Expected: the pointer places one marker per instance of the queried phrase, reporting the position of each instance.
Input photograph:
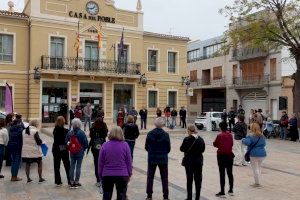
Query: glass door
(91, 56)
(123, 97)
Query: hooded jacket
(158, 147)
(240, 130)
(131, 131)
(15, 138)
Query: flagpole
(77, 51)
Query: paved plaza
(280, 180)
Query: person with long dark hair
(3, 142)
(59, 150)
(98, 134)
(193, 147)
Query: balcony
(68, 65)
(248, 53)
(249, 82)
(208, 83)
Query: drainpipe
(28, 70)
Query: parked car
(3, 116)
(201, 121)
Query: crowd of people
(113, 149)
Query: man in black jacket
(231, 117)
(143, 113)
(240, 132)
(224, 116)
(182, 114)
(173, 117)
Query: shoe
(244, 164)
(59, 185)
(1, 176)
(237, 165)
(256, 185)
(29, 180)
(78, 184)
(220, 194)
(73, 186)
(42, 180)
(148, 198)
(98, 184)
(15, 179)
(230, 192)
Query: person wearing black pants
(121, 183)
(98, 134)
(193, 147)
(231, 119)
(59, 150)
(224, 143)
(143, 113)
(182, 114)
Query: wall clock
(92, 8)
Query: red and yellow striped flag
(77, 42)
(99, 36)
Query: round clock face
(92, 8)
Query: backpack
(74, 145)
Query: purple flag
(8, 100)
(121, 48)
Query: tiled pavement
(281, 176)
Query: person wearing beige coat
(3, 142)
(31, 150)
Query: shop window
(172, 56)
(91, 93)
(6, 48)
(57, 52)
(2, 97)
(152, 99)
(193, 99)
(172, 99)
(273, 69)
(152, 60)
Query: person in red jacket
(224, 143)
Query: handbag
(247, 155)
(44, 148)
(183, 162)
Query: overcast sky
(197, 19)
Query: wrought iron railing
(248, 53)
(216, 82)
(251, 80)
(90, 65)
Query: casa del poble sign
(92, 13)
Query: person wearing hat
(158, 147)
(193, 147)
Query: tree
(267, 24)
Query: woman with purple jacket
(115, 165)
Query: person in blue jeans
(15, 147)
(3, 142)
(76, 159)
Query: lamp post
(143, 80)
(37, 74)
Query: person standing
(293, 128)
(158, 112)
(167, 112)
(71, 116)
(8, 123)
(231, 118)
(256, 143)
(77, 111)
(59, 150)
(87, 111)
(3, 143)
(143, 114)
(182, 114)
(133, 113)
(98, 134)
(158, 147)
(31, 151)
(224, 116)
(120, 117)
(115, 165)
(64, 110)
(224, 143)
(77, 144)
(173, 117)
(260, 118)
(131, 133)
(15, 147)
(241, 111)
(240, 131)
(100, 113)
(193, 147)
(284, 121)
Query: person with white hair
(77, 144)
(158, 147)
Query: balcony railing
(219, 82)
(251, 81)
(248, 53)
(90, 65)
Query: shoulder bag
(183, 162)
(247, 155)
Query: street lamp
(37, 74)
(143, 80)
(185, 80)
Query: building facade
(39, 59)
(248, 77)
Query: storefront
(54, 100)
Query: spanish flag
(77, 43)
(99, 40)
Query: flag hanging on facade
(99, 37)
(77, 43)
(8, 100)
(121, 47)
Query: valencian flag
(8, 99)
(77, 43)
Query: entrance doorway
(123, 97)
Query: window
(172, 100)
(2, 97)
(152, 60)
(193, 75)
(193, 99)
(6, 48)
(210, 51)
(152, 99)
(172, 56)
(91, 55)
(122, 60)
(193, 55)
(273, 69)
(57, 52)
(234, 71)
(217, 73)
